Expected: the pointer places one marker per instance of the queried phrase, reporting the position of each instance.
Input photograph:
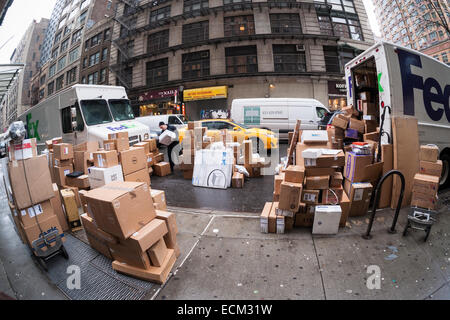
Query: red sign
(159, 94)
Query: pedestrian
(163, 126)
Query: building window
(95, 40)
(107, 34)
(82, 17)
(196, 32)
(76, 36)
(42, 80)
(325, 25)
(235, 1)
(241, 59)
(159, 14)
(289, 58)
(51, 88)
(57, 37)
(103, 75)
(240, 25)
(59, 82)
(66, 30)
(157, 71)
(331, 59)
(158, 41)
(93, 78)
(64, 45)
(192, 5)
(74, 54)
(285, 23)
(55, 53)
(72, 75)
(83, 80)
(85, 62)
(444, 57)
(52, 70)
(61, 63)
(104, 54)
(195, 64)
(94, 59)
(41, 93)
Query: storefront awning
(8, 72)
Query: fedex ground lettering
(432, 90)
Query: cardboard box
(372, 136)
(326, 161)
(94, 236)
(345, 206)
(91, 227)
(355, 166)
(57, 140)
(429, 153)
(431, 168)
(63, 151)
(98, 177)
(237, 180)
(370, 126)
(145, 145)
(154, 274)
(109, 145)
(37, 178)
(22, 151)
(264, 218)
(425, 184)
(281, 224)
(82, 161)
(159, 199)
(248, 152)
(121, 208)
(36, 213)
(162, 169)
(304, 219)
(290, 194)
(370, 109)
(150, 160)
(340, 122)
(105, 159)
(151, 144)
(314, 137)
(386, 189)
(326, 219)
(57, 208)
(88, 146)
(147, 236)
(34, 232)
(359, 194)
(310, 196)
(81, 182)
(133, 160)
(423, 200)
(159, 157)
(312, 171)
(318, 182)
(188, 174)
(118, 135)
(158, 253)
(294, 174)
(171, 237)
(139, 176)
(328, 197)
(122, 144)
(71, 207)
(278, 179)
(273, 218)
(357, 125)
(336, 180)
(126, 254)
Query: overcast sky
(22, 13)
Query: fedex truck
(84, 113)
(410, 83)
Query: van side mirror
(73, 112)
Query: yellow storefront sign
(205, 93)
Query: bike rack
(367, 235)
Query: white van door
(307, 115)
(274, 117)
(69, 135)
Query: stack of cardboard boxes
(194, 139)
(122, 223)
(34, 204)
(426, 182)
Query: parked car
(327, 119)
(278, 114)
(261, 138)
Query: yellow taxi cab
(239, 132)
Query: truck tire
(445, 177)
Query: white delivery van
(83, 113)
(278, 114)
(410, 83)
(152, 122)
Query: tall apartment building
(28, 53)
(51, 31)
(212, 52)
(416, 24)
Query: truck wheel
(445, 177)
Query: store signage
(337, 87)
(206, 93)
(158, 94)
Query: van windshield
(95, 112)
(121, 109)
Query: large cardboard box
(340, 122)
(171, 223)
(81, 182)
(121, 208)
(147, 236)
(105, 159)
(24, 150)
(60, 173)
(273, 218)
(145, 145)
(88, 146)
(90, 226)
(58, 209)
(36, 213)
(159, 199)
(151, 144)
(264, 218)
(429, 153)
(82, 161)
(162, 169)
(305, 218)
(326, 161)
(310, 196)
(46, 226)
(359, 194)
(294, 174)
(425, 184)
(133, 160)
(336, 180)
(355, 166)
(386, 190)
(154, 274)
(139, 176)
(423, 200)
(310, 172)
(317, 183)
(96, 237)
(37, 181)
(290, 195)
(357, 125)
(118, 135)
(158, 253)
(431, 168)
(63, 151)
(98, 177)
(129, 255)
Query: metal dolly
(49, 246)
(420, 219)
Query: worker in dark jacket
(170, 147)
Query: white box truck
(410, 83)
(84, 113)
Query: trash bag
(17, 131)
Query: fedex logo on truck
(432, 90)
(122, 127)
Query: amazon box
(318, 182)
(37, 180)
(429, 153)
(359, 194)
(340, 122)
(139, 176)
(63, 151)
(105, 159)
(431, 168)
(294, 174)
(121, 208)
(132, 160)
(290, 194)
